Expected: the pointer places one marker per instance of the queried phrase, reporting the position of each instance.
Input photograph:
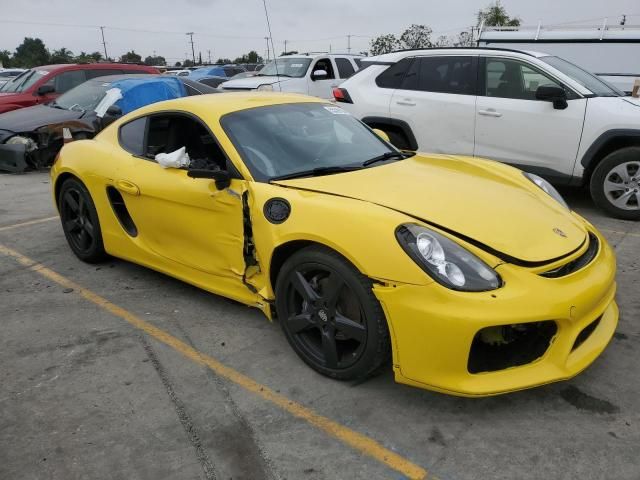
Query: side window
(325, 64)
(507, 78)
(345, 68)
(168, 133)
(454, 75)
(102, 73)
(392, 77)
(131, 136)
(67, 80)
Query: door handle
(490, 112)
(128, 187)
(407, 102)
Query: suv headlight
(445, 261)
(547, 188)
(265, 87)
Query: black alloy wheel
(80, 222)
(330, 316)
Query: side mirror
(44, 90)
(553, 93)
(382, 134)
(221, 177)
(111, 115)
(319, 75)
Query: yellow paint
(25, 224)
(191, 231)
(358, 441)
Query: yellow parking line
(24, 224)
(631, 234)
(356, 440)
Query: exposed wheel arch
(605, 144)
(399, 132)
(63, 177)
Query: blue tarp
(207, 72)
(138, 92)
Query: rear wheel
(615, 183)
(80, 222)
(330, 316)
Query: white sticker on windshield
(297, 65)
(336, 110)
(42, 72)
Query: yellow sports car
(471, 276)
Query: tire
(608, 188)
(80, 222)
(330, 315)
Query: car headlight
(547, 188)
(445, 261)
(265, 87)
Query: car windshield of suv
(303, 138)
(84, 97)
(24, 81)
(286, 67)
(588, 80)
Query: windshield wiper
(388, 156)
(315, 172)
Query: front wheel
(615, 183)
(330, 316)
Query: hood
(31, 118)
(632, 101)
(254, 82)
(476, 200)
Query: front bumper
(13, 158)
(432, 328)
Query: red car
(43, 84)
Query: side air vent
(120, 209)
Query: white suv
(532, 110)
(309, 74)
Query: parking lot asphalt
(116, 371)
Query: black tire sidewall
(376, 350)
(96, 253)
(599, 175)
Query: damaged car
(31, 137)
(469, 276)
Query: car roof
(399, 54)
(91, 66)
(212, 107)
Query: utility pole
(348, 43)
(104, 44)
(267, 39)
(193, 52)
(209, 52)
(285, 46)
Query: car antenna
(275, 60)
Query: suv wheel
(615, 183)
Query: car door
(182, 219)
(513, 127)
(323, 88)
(436, 98)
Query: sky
(229, 28)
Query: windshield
(83, 97)
(288, 67)
(24, 81)
(588, 80)
(281, 140)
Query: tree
(30, 53)
(62, 55)
(155, 60)
(495, 15)
(442, 41)
(223, 61)
(95, 56)
(5, 58)
(384, 44)
(187, 63)
(251, 57)
(177, 64)
(131, 57)
(465, 39)
(416, 36)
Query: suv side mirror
(221, 177)
(44, 90)
(553, 93)
(319, 75)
